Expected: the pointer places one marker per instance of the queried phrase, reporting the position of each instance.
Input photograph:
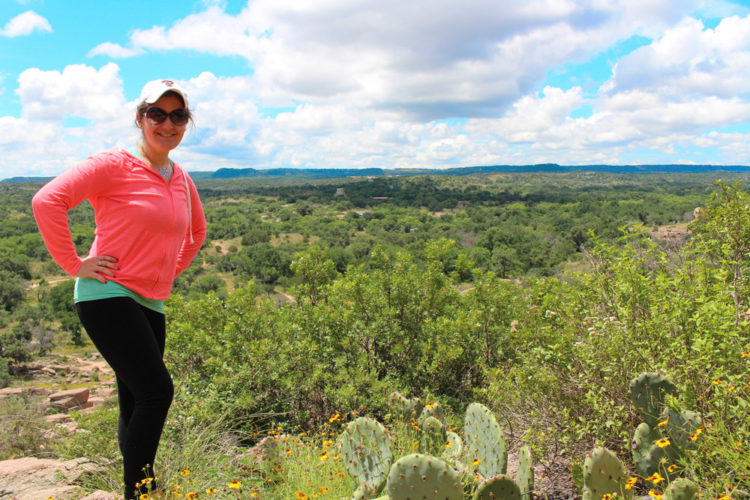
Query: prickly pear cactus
(498, 488)
(486, 450)
(525, 474)
(454, 447)
(433, 437)
(647, 456)
(680, 426)
(403, 406)
(647, 391)
(420, 476)
(366, 450)
(603, 473)
(432, 410)
(364, 492)
(681, 489)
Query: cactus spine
(603, 473)
(487, 452)
(366, 450)
(420, 476)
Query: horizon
(388, 85)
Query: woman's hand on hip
(98, 267)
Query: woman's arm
(52, 203)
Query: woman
(149, 226)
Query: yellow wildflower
(184, 473)
(663, 422)
(323, 456)
(144, 496)
(191, 495)
(724, 497)
(672, 468)
(300, 496)
(630, 483)
(716, 382)
(476, 462)
(288, 451)
(655, 478)
(335, 418)
(655, 494)
(697, 433)
(662, 443)
(607, 496)
(211, 491)
(745, 354)
(322, 490)
(448, 444)
(234, 485)
(327, 443)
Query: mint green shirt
(91, 289)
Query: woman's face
(165, 136)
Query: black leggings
(131, 338)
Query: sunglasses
(179, 116)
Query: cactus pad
(681, 489)
(455, 449)
(366, 450)
(603, 473)
(433, 437)
(486, 450)
(403, 406)
(647, 392)
(525, 474)
(418, 476)
(498, 488)
(647, 456)
(680, 426)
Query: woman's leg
(131, 338)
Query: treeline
(514, 225)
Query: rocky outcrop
(39, 479)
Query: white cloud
(79, 91)
(115, 51)
(691, 60)
(25, 24)
(425, 61)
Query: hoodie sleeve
(196, 232)
(53, 201)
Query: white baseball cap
(153, 90)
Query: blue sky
(357, 84)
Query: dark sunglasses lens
(179, 116)
(156, 115)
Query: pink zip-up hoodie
(142, 220)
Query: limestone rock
(39, 479)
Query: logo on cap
(168, 83)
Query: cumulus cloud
(25, 24)
(690, 60)
(115, 51)
(445, 59)
(78, 91)
(425, 84)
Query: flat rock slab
(39, 479)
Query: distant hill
(332, 173)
